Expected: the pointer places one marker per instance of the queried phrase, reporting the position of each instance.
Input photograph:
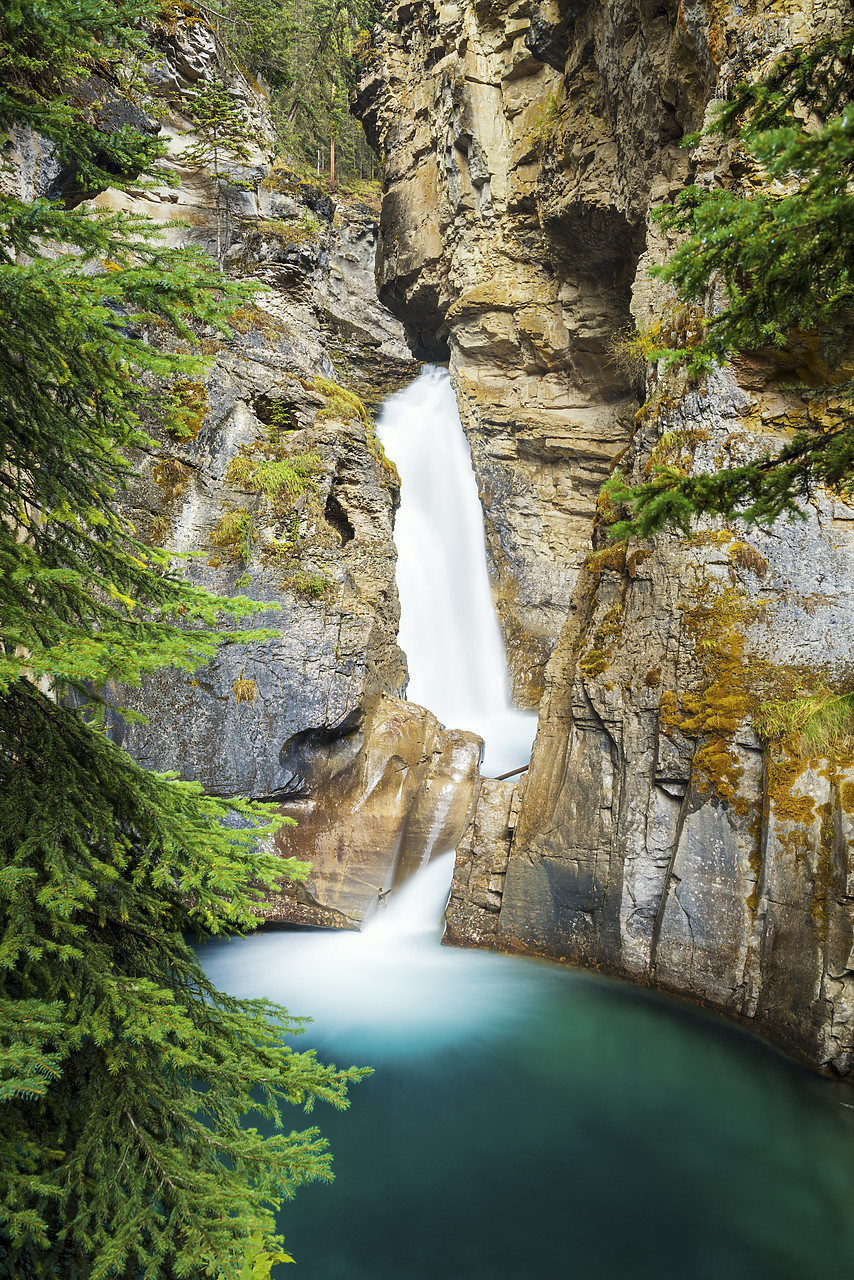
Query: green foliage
(260, 1260)
(233, 535)
(814, 724)
(545, 122)
(222, 135)
(48, 53)
(340, 403)
(125, 1077)
(303, 229)
(782, 252)
(310, 54)
(631, 348)
(311, 585)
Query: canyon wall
(275, 487)
(655, 836)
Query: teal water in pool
(529, 1123)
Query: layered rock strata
(277, 489)
(657, 836)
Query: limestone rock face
(513, 219)
(309, 716)
(656, 836)
(374, 797)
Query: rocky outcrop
(373, 798)
(511, 228)
(657, 836)
(276, 488)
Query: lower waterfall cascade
(448, 627)
(526, 1121)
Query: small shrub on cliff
(340, 402)
(813, 724)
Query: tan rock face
(657, 836)
(374, 799)
(509, 237)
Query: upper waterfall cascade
(448, 627)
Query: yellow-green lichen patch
(636, 558)
(824, 884)
(189, 406)
(592, 663)
(172, 476)
(793, 813)
(725, 698)
(743, 556)
(674, 452)
(244, 689)
(232, 536)
(250, 318)
(610, 627)
(611, 557)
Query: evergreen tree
(783, 253)
(307, 51)
(222, 136)
(125, 1077)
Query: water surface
(526, 1122)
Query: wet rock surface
(657, 836)
(374, 798)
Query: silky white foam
(448, 627)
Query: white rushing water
(387, 991)
(448, 628)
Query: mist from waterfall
(448, 627)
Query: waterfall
(388, 990)
(520, 1110)
(448, 627)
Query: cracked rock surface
(392, 782)
(656, 836)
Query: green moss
(593, 663)
(610, 628)
(189, 406)
(719, 704)
(815, 724)
(276, 478)
(172, 476)
(311, 585)
(302, 230)
(340, 403)
(232, 535)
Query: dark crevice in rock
(314, 755)
(337, 516)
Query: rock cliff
(655, 836)
(277, 488)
